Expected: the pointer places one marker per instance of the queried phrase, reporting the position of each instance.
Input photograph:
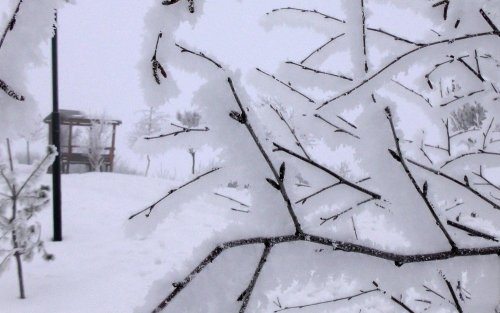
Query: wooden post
(112, 151)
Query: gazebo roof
(77, 118)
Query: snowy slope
(98, 268)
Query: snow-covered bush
(370, 180)
(21, 198)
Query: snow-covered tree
(371, 172)
(21, 198)
(33, 134)
(98, 136)
(190, 120)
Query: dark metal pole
(55, 120)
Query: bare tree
(97, 138)
(422, 200)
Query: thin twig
(456, 181)
(472, 232)
(395, 37)
(401, 304)
(289, 85)
(292, 131)
(354, 227)
(336, 216)
(308, 11)
(363, 23)
(318, 71)
(303, 200)
(12, 22)
(326, 170)
(150, 208)
(348, 298)
(200, 54)
(452, 292)
(414, 92)
(463, 155)
(231, 199)
(175, 133)
(398, 155)
(321, 47)
(467, 66)
(403, 56)
(338, 129)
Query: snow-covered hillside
(98, 268)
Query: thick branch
(242, 118)
(363, 18)
(422, 192)
(150, 208)
(326, 170)
(403, 56)
(399, 259)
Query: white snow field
(98, 268)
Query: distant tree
(150, 122)
(33, 134)
(20, 200)
(190, 119)
(98, 136)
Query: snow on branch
(200, 54)
(182, 130)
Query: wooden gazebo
(78, 154)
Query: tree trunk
(28, 155)
(147, 166)
(193, 156)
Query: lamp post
(55, 124)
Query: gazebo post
(112, 152)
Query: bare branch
(467, 66)
(348, 298)
(245, 296)
(289, 85)
(472, 232)
(231, 199)
(395, 37)
(12, 22)
(242, 118)
(318, 71)
(421, 191)
(200, 54)
(10, 92)
(303, 200)
(456, 181)
(321, 47)
(308, 11)
(398, 259)
(363, 22)
(414, 92)
(338, 129)
(490, 22)
(452, 292)
(403, 56)
(326, 170)
(175, 133)
(150, 208)
(292, 131)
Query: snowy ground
(98, 267)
